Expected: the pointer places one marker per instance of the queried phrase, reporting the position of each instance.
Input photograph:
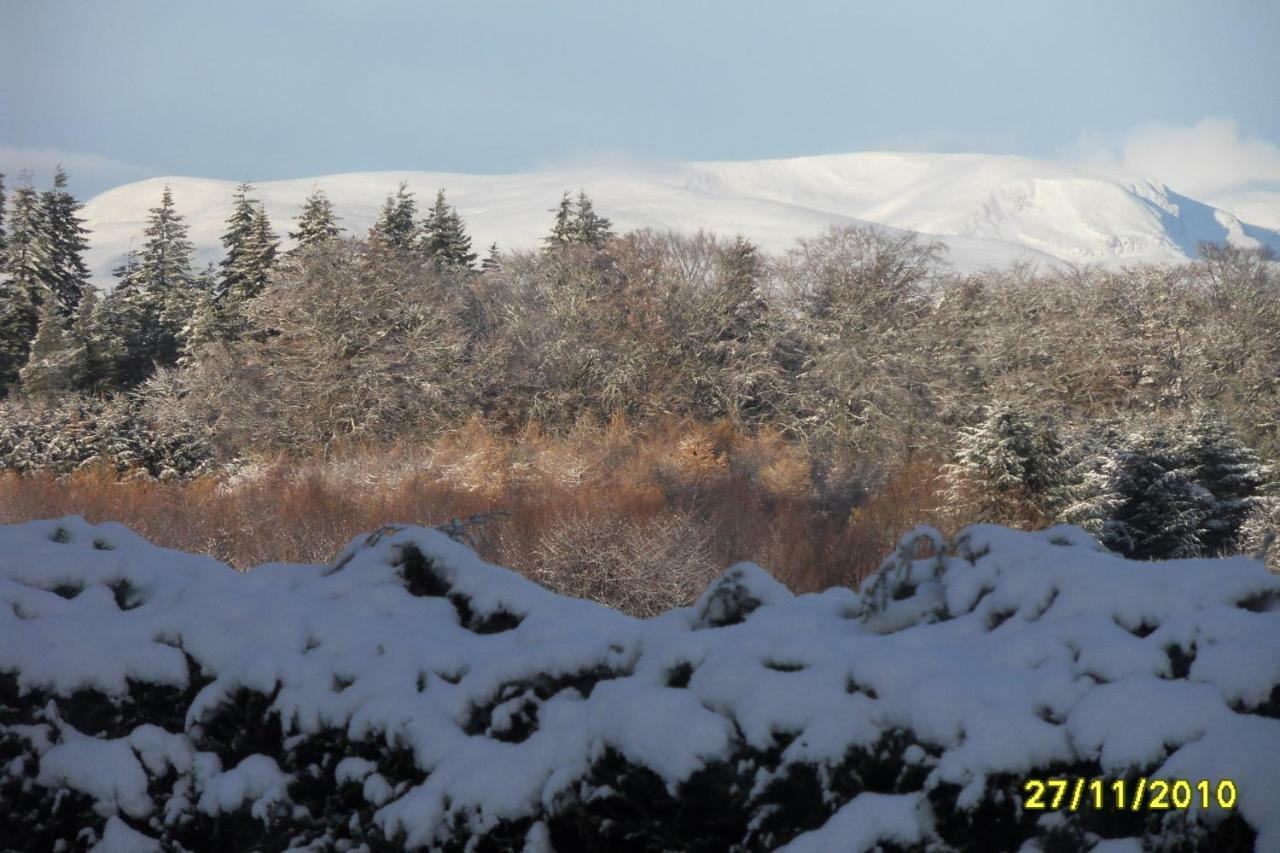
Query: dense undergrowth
(638, 520)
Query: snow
(1001, 653)
(106, 770)
(990, 210)
(865, 822)
(119, 837)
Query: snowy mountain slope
(990, 210)
(411, 693)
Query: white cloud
(1208, 159)
(89, 173)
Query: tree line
(1139, 402)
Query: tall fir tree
(48, 371)
(492, 261)
(444, 236)
(126, 274)
(165, 291)
(396, 225)
(588, 226)
(212, 321)
(266, 246)
(251, 248)
(237, 266)
(96, 349)
(562, 230)
(317, 223)
(17, 326)
(2, 231)
(123, 316)
(65, 239)
(21, 282)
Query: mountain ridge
(990, 210)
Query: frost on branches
(409, 695)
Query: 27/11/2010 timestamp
(1121, 795)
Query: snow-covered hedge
(411, 695)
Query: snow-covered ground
(990, 210)
(411, 692)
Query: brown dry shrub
(642, 568)
(636, 520)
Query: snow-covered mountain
(990, 210)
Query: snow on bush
(411, 695)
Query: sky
(128, 89)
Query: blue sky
(261, 90)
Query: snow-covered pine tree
(1219, 462)
(251, 248)
(396, 226)
(1006, 464)
(121, 321)
(216, 316)
(126, 275)
(444, 237)
(65, 239)
(492, 261)
(17, 327)
(317, 222)
(2, 231)
(213, 320)
(1141, 499)
(563, 232)
(165, 292)
(48, 372)
(95, 349)
(1163, 511)
(264, 246)
(237, 265)
(21, 282)
(588, 226)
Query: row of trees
(1148, 488)
(857, 344)
(59, 335)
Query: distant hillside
(990, 210)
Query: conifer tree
(126, 274)
(1230, 472)
(588, 226)
(48, 371)
(1162, 511)
(2, 231)
(237, 265)
(444, 237)
(492, 261)
(123, 316)
(1141, 499)
(1008, 461)
(317, 222)
(264, 246)
(65, 239)
(562, 231)
(251, 248)
(96, 349)
(212, 321)
(165, 292)
(396, 226)
(17, 327)
(21, 283)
